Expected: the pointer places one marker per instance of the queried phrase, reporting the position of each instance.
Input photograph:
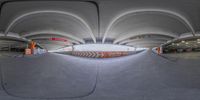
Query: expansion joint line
(3, 85)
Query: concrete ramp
(48, 76)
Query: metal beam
(125, 37)
(50, 36)
(53, 33)
(136, 40)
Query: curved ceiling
(133, 25)
(142, 18)
(51, 23)
(126, 22)
(74, 21)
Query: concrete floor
(143, 76)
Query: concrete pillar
(161, 50)
(72, 48)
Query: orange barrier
(33, 50)
(158, 49)
(32, 45)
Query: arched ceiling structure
(143, 21)
(126, 22)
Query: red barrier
(94, 54)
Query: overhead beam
(147, 42)
(54, 33)
(144, 39)
(145, 45)
(125, 37)
(51, 36)
(51, 42)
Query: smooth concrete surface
(11, 54)
(48, 76)
(144, 76)
(189, 56)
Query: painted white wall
(104, 47)
(98, 47)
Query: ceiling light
(183, 41)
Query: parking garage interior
(99, 50)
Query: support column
(72, 48)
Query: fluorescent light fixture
(183, 41)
